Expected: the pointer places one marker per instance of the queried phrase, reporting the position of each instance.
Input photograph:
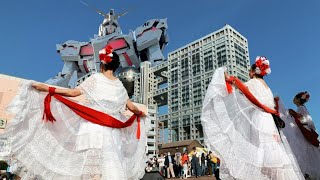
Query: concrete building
(181, 83)
(191, 68)
(145, 87)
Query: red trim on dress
(311, 136)
(243, 88)
(87, 113)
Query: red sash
(87, 113)
(243, 88)
(311, 136)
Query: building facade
(145, 86)
(190, 71)
(181, 83)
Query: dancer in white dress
(244, 135)
(307, 153)
(72, 147)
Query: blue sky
(287, 32)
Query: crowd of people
(8, 169)
(184, 165)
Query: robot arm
(151, 39)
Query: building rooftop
(178, 144)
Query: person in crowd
(213, 161)
(217, 170)
(209, 164)
(195, 162)
(168, 162)
(161, 165)
(302, 136)
(185, 169)
(177, 165)
(203, 164)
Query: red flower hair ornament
(105, 54)
(262, 66)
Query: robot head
(110, 23)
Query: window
(184, 69)
(185, 96)
(208, 63)
(174, 100)
(197, 93)
(196, 64)
(186, 120)
(222, 58)
(174, 76)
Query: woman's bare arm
(134, 108)
(63, 92)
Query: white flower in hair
(258, 71)
(268, 71)
(305, 96)
(102, 51)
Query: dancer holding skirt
(239, 127)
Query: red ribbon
(243, 88)
(87, 113)
(47, 110)
(311, 136)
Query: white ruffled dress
(308, 156)
(245, 137)
(73, 148)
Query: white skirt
(71, 147)
(307, 155)
(244, 137)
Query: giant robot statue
(81, 59)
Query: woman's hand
(134, 109)
(143, 114)
(40, 87)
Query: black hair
(113, 65)
(253, 68)
(299, 97)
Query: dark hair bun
(114, 64)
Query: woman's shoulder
(251, 82)
(94, 75)
(257, 83)
(100, 76)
